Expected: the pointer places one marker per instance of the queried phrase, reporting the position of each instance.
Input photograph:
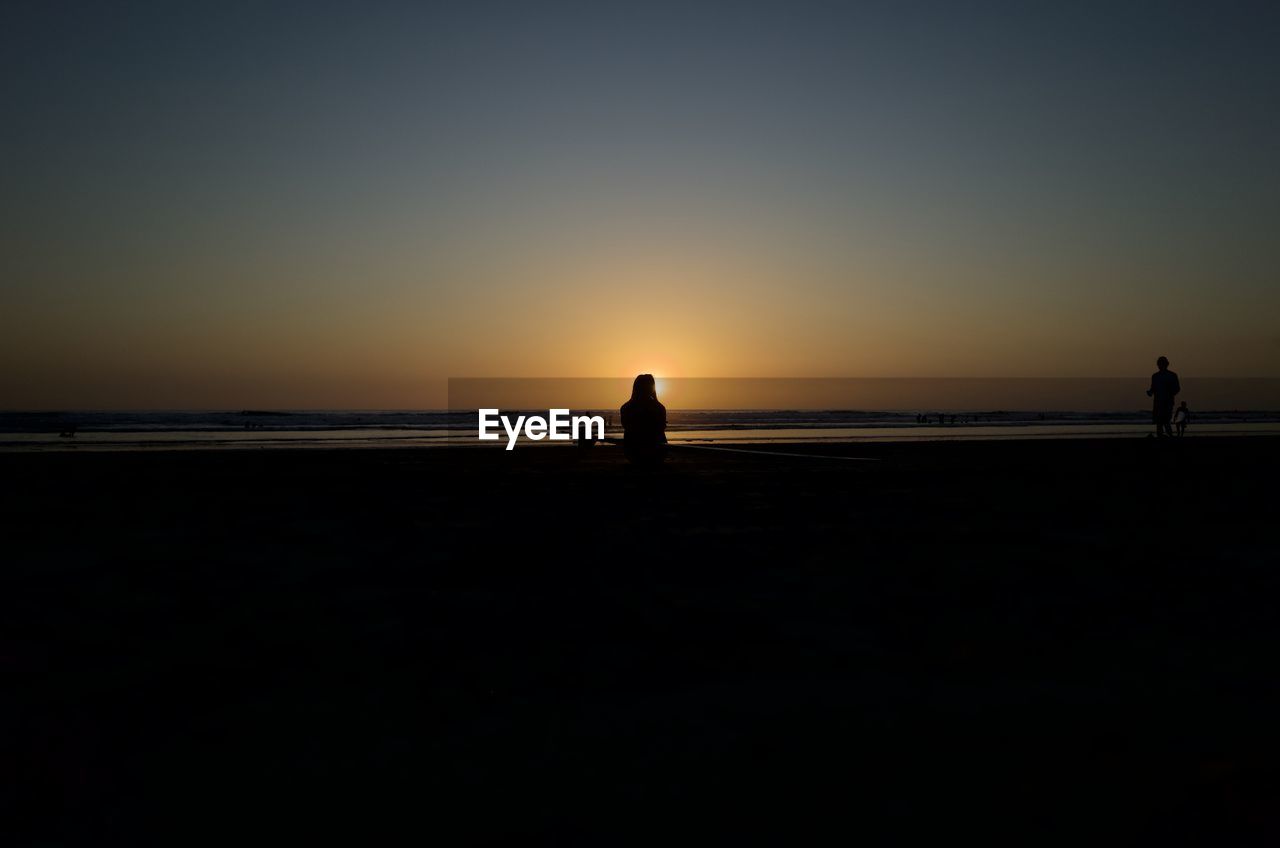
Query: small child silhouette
(1181, 418)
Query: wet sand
(1071, 639)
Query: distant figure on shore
(644, 423)
(1181, 418)
(1164, 387)
(69, 432)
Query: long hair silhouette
(644, 388)
(644, 423)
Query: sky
(327, 205)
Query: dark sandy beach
(1059, 640)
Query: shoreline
(90, 442)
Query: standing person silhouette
(1164, 387)
(644, 423)
(1181, 418)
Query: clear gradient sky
(324, 205)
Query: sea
(256, 429)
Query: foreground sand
(1073, 638)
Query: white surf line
(776, 453)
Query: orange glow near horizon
(677, 307)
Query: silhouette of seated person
(644, 423)
(1164, 388)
